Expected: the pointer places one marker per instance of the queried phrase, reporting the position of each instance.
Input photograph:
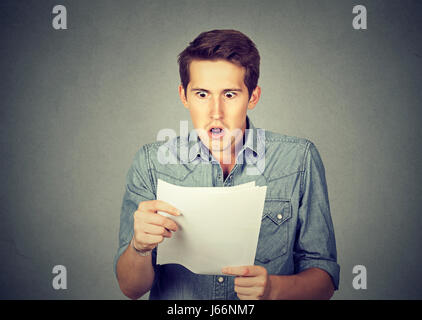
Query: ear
(182, 96)
(256, 95)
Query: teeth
(216, 130)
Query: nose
(217, 109)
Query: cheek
(197, 114)
(236, 110)
(198, 107)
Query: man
(296, 255)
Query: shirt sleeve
(315, 244)
(138, 188)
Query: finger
(152, 239)
(156, 230)
(144, 218)
(244, 271)
(248, 281)
(252, 291)
(245, 297)
(161, 221)
(236, 271)
(159, 205)
(167, 234)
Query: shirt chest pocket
(273, 235)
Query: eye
(230, 94)
(201, 94)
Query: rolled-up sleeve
(315, 244)
(138, 188)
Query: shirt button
(279, 216)
(221, 279)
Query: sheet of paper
(219, 226)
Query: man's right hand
(151, 228)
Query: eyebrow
(225, 90)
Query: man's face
(217, 99)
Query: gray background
(77, 104)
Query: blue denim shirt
(296, 228)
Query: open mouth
(216, 132)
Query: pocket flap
(277, 210)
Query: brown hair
(230, 45)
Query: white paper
(219, 226)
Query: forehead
(215, 74)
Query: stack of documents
(219, 226)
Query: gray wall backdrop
(77, 104)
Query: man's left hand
(251, 282)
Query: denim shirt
(296, 230)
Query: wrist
(272, 294)
(282, 286)
(142, 253)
